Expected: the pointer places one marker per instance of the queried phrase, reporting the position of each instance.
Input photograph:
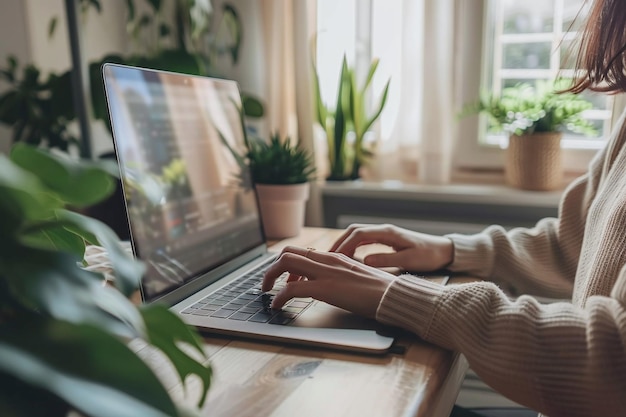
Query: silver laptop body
(194, 218)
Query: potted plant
(347, 123)
(535, 117)
(281, 172)
(63, 334)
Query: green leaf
(370, 73)
(127, 270)
(233, 24)
(86, 367)
(164, 30)
(156, 5)
(252, 107)
(165, 330)
(53, 236)
(321, 112)
(379, 109)
(23, 190)
(52, 26)
(79, 183)
(175, 60)
(95, 4)
(130, 7)
(54, 284)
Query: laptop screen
(190, 205)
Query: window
(532, 41)
(363, 30)
(526, 42)
(498, 43)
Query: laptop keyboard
(242, 299)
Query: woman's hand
(330, 277)
(414, 251)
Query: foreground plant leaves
(63, 333)
(84, 366)
(165, 331)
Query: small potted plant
(534, 118)
(281, 172)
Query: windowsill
(458, 192)
(435, 209)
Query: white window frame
(472, 46)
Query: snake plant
(347, 154)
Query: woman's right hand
(413, 251)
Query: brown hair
(601, 61)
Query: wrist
(446, 252)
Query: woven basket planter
(533, 162)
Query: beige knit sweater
(562, 359)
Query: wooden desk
(264, 379)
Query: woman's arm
(558, 359)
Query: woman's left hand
(330, 277)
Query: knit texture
(562, 359)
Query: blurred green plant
(275, 162)
(40, 112)
(349, 114)
(526, 109)
(63, 334)
(279, 161)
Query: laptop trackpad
(322, 315)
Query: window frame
(472, 43)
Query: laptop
(194, 218)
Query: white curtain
(288, 28)
(419, 145)
(438, 107)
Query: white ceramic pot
(282, 208)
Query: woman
(561, 359)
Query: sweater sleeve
(513, 258)
(554, 358)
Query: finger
(295, 249)
(293, 262)
(382, 260)
(294, 277)
(360, 237)
(350, 230)
(298, 289)
(343, 237)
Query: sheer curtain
(419, 145)
(288, 29)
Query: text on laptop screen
(189, 200)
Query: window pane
(534, 55)
(335, 36)
(572, 22)
(568, 49)
(529, 16)
(512, 82)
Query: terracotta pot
(533, 162)
(282, 208)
